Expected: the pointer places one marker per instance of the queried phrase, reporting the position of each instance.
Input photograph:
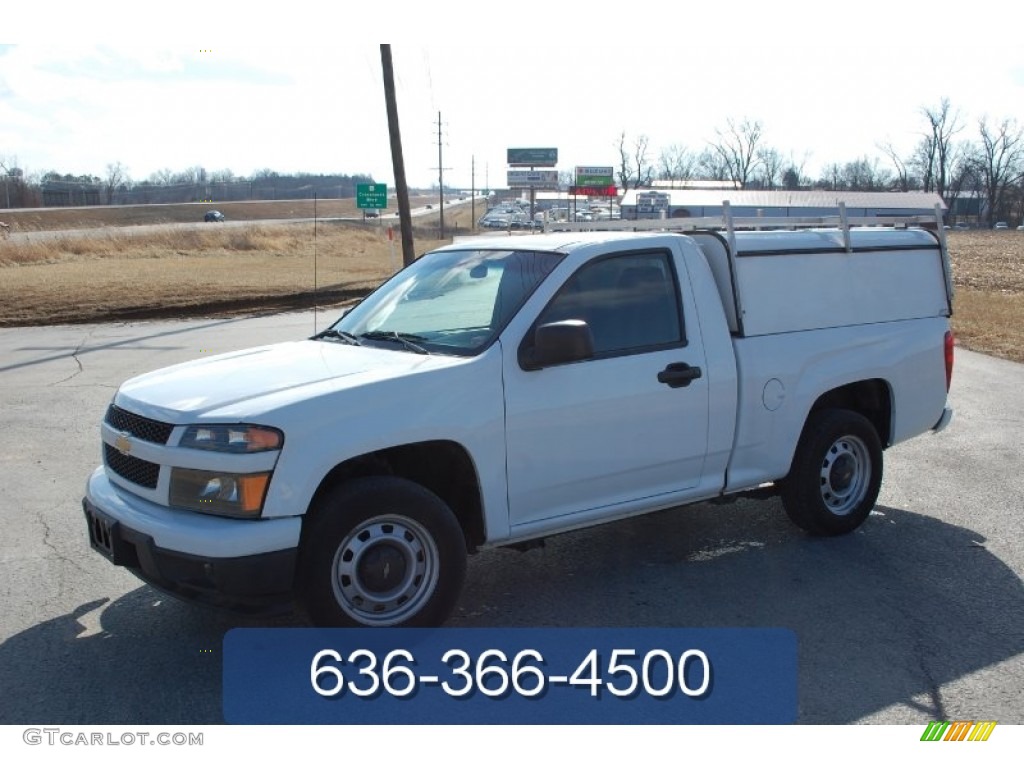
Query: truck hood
(194, 389)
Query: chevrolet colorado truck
(500, 390)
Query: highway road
(919, 615)
(146, 229)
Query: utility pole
(397, 163)
(472, 192)
(440, 173)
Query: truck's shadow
(884, 617)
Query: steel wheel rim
(368, 553)
(845, 475)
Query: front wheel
(381, 552)
(836, 473)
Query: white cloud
(819, 91)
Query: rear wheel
(381, 552)
(836, 474)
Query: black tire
(836, 473)
(381, 552)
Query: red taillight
(949, 358)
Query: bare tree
(793, 176)
(922, 161)
(1017, 202)
(676, 163)
(625, 172)
(1000, 162)
(737, 148)
(635, 169)
(710, 165)
(195, 175)
(641, 162)
(117, 174)
(163, 177)
(771, 164)
(965, 177)
(901, 166)
(831, 177)
(943, 124)
(864, 175)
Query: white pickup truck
(504, 389)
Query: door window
(630, 302)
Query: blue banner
(510, 676)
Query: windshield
(452, 302)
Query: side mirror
(566, 341)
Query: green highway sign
(372, 196)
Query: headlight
(219, 493)
(232, 438)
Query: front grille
(150, 430)
(144, 473)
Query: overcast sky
(304, 92)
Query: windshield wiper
(407, 339)
(334, 333)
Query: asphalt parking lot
(919, 615)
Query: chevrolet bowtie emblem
(123, 443)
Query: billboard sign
(540, 179)
(533, 157)
(594, 191)
(595, 175)
(372, 196)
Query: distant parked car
(1001, 225)
(370, 214)
(213, 216)
(1020, 228)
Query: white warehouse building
(696, 203)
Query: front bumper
(218, 572)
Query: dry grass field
(258, 268)
(988, 277)
(121, 272)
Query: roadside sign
(372, 196)
(541, 179)
(595, 175)
(652, 205)
(533, 157)
(594, 191)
